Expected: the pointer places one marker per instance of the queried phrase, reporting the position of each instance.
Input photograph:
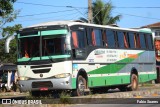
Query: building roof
(154, 25)
(8, 67)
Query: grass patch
(64, 98)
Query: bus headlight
(64, 75)
(23, 78)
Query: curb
(128, 94)
(12, 94)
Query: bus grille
(41, 71)
(42, 84)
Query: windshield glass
(29, 47)
(53, 45)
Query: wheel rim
(81, 87)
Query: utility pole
(90, 14)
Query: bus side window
(132, 41)
(75, 39)
(97, 37)
(125, 40)
(137, 41)
(93, 38)
(104, 38)
(149, 41)
(78, 38)
(110, 38)
(142, 41)
(120, 39)
(89, 37)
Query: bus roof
(73, 22)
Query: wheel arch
(134, 71)
(83, 73)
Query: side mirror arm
(7, 42)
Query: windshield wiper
(32, 57)
(49, 55)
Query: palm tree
(102, 13)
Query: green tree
(102, 13)
(10, 57)
(7, 15)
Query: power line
(137, 16)
(45, 13)
(40, 4)
(149, 7)
(49, 5)
(98, 12)
(75, 8)
(139, 7)
(47, 17)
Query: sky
(53, 10)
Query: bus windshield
(51, 45)
(29, 47)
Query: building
(6, 67)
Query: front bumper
(50, 84)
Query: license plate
(43, 89)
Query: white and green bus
(77, 56)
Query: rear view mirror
(8, 40)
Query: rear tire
(134, 83)
(80, 87)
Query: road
(114, 98)
(145, 101)
(117, 105)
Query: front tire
(81, 86)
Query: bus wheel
(134, 82)
(81, 86)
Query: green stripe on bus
(43, 58)
(145, 31)
(19, 36)
(147, 77)
(113, 68)
(74, 83)
(54, 32)
(27, 59)
(117, 80)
